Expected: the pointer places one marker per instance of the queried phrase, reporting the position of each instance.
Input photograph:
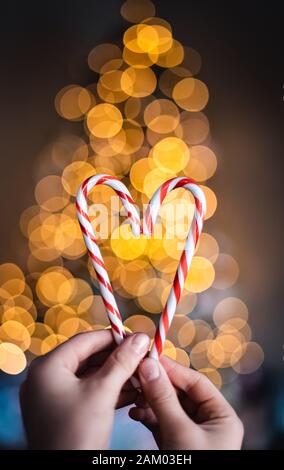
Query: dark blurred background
(44, 46)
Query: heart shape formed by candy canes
(146, 229)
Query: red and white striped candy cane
(186, 257)
(93, 249)
(148, 225)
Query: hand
(184, 410)
(69, 396)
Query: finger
(90, 372)
(99, 358)
(160, 393)
(121, 365)
(126, 398)
(128, 394)
(145, 416)
(141, 401)
(71, 354)
(196, 386)
(93, 363)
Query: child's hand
(70, 395)
(194, 416)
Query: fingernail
(149, 369)
(140, 342)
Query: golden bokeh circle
(72, 102)
(135, 11)
(125, 245)
(172, 57)
(251, 359)
(207, 247)
(138, 172)
(40, 332)
(13, 358)
(161, 116)
(15, 332)
(50, 193)
(155, 178)
(73, 326)
(193, 128)
(149, 296)
(101, 55)
(138, 82)
(186, 333)
(227, 271)
(140, 323)
(182, 357)
(171, 154)
(229, 309)
(201, 275)
(202, 164)
(74, 174)
(51, 342)
(104, 120)
(213, 375)
(191, 94)
(49, 288)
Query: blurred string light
(143, 122)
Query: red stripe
(137, 221)
(165, 319)
(148, 220)
(198, 205)
(87, 233)
(130, 200)
(84, 186)
(165, 186)
(176, 287)
(164, 190)
(104, 282)
(96, 259)
(106, 178)
(185, 181)
(124, 196)
(196, 233)
(111, 309)
(115, 328)
(100, 181)
(158, 342)
(83, 213)
(183, 264)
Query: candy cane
(148, 225)
(93, 249)
(186, 257)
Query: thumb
(121, 364)
(160, 393)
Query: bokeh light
(201, 275)
(105, 57)
(12, 359)
(227, 271)
(104, 120)
(73, 102)
(143, 121)
(171, 154)
(138, 82)
(137, 10)
(191, 94)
